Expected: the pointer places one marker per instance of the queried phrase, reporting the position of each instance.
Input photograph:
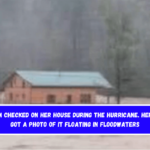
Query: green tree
(121, 42)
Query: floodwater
(79, 142)
(76, 142)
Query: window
(85, 99)
(11, 96)
(23, 84)
(51, 99)
(69, 98)
(23, 96)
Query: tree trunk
(118, 78)
(108, 99)
(118, 98)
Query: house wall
(17, 93)
(19, 89)
(39, 95)
(2, 97)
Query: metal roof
(64, 79)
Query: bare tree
(79, 37)
(121, 42)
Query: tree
(121, 43)
(79, 37)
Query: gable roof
(64, 79)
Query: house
(3, 77)
(2, 97)
(46, 87)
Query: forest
(109, 36)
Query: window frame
(85, 98)
(51, 99)
(69, 99)
(10, 96)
